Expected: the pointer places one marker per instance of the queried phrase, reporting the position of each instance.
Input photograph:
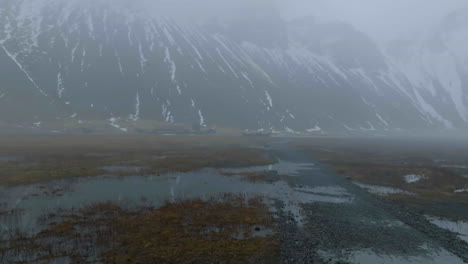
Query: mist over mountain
(236, 64)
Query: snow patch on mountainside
(172, 65)
(314, 129)
(202, 119)
(113, 122)
(13, 57)
(136, 115)
(60, 87)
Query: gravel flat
(368, 229)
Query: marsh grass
(254, 177)
(219, 230)
(385, 163)
(260, 177)
(51, 158)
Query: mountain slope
(256, 71)
(437, 69)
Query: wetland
(197, 199)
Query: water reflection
(382, 190)
(36, 200)
(459, 227)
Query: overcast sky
(382, 19)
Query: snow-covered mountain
(437, 69)
(71, 61)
